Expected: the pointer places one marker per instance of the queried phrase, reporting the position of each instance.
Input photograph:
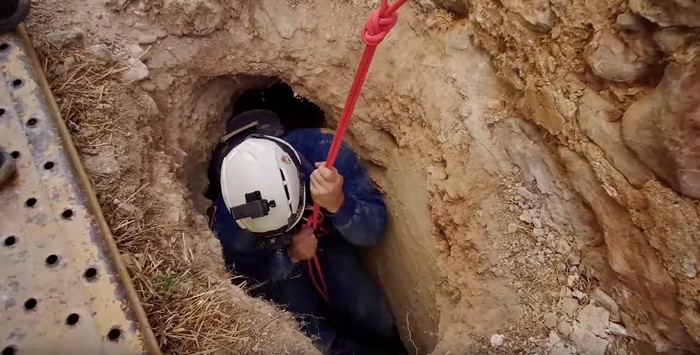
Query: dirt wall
(613, 83)
(514, 190)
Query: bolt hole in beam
(31, 202)
(17, 83)
(30, 304)
(72, 319)
(10, 350)
(67, 214)
(91, 274)
(10, 241)
(48, 165)
(52, 260)
(114, 334)
(15, 154)
(32, 122)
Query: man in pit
(268, 180)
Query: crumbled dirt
(459, 117)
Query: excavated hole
(229, 96)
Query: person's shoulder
(305, 139)
(307, 133)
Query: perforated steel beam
(63, 287)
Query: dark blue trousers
(357, 319)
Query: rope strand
(378, 25)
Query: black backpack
(238, 128)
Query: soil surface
(541, 184)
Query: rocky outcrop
(620, 59)
(597, 117)
(669, 12)
(663, 128)
(606, 56)
(633, 267)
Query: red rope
(378, 25)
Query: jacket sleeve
(362, 217)
(243, 255)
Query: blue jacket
(360, 221)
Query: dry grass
(188, 305)
(79, 82)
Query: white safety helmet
(262, 185)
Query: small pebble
(562, 247)
(550, 320)
(616, 329)
(73, 126)
(496, 340)
(537, 222)
(538, 232)
(574, 259)
(524, 192)
(551, 64)
(569, 306)
(525, 217)
(554, 338)
(578, 294)
(565, 328)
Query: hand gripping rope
(378, 25)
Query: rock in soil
(101, 50)
(136, 71)
(564, 328)
(525, 217)
(550, 320)
(536, 12)
(595, 117)
(569, 306)
(496, 340)
(657, 128)
(554, 338)
(631, 22)
(604, 300)
(537, 222)
(578, 294)
(587, 343)
(525, 193)
(595, 319)
(562, 247)
(613, 59)
(668, 12)
(616, 329)
(74, 37)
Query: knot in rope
(379, 24)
